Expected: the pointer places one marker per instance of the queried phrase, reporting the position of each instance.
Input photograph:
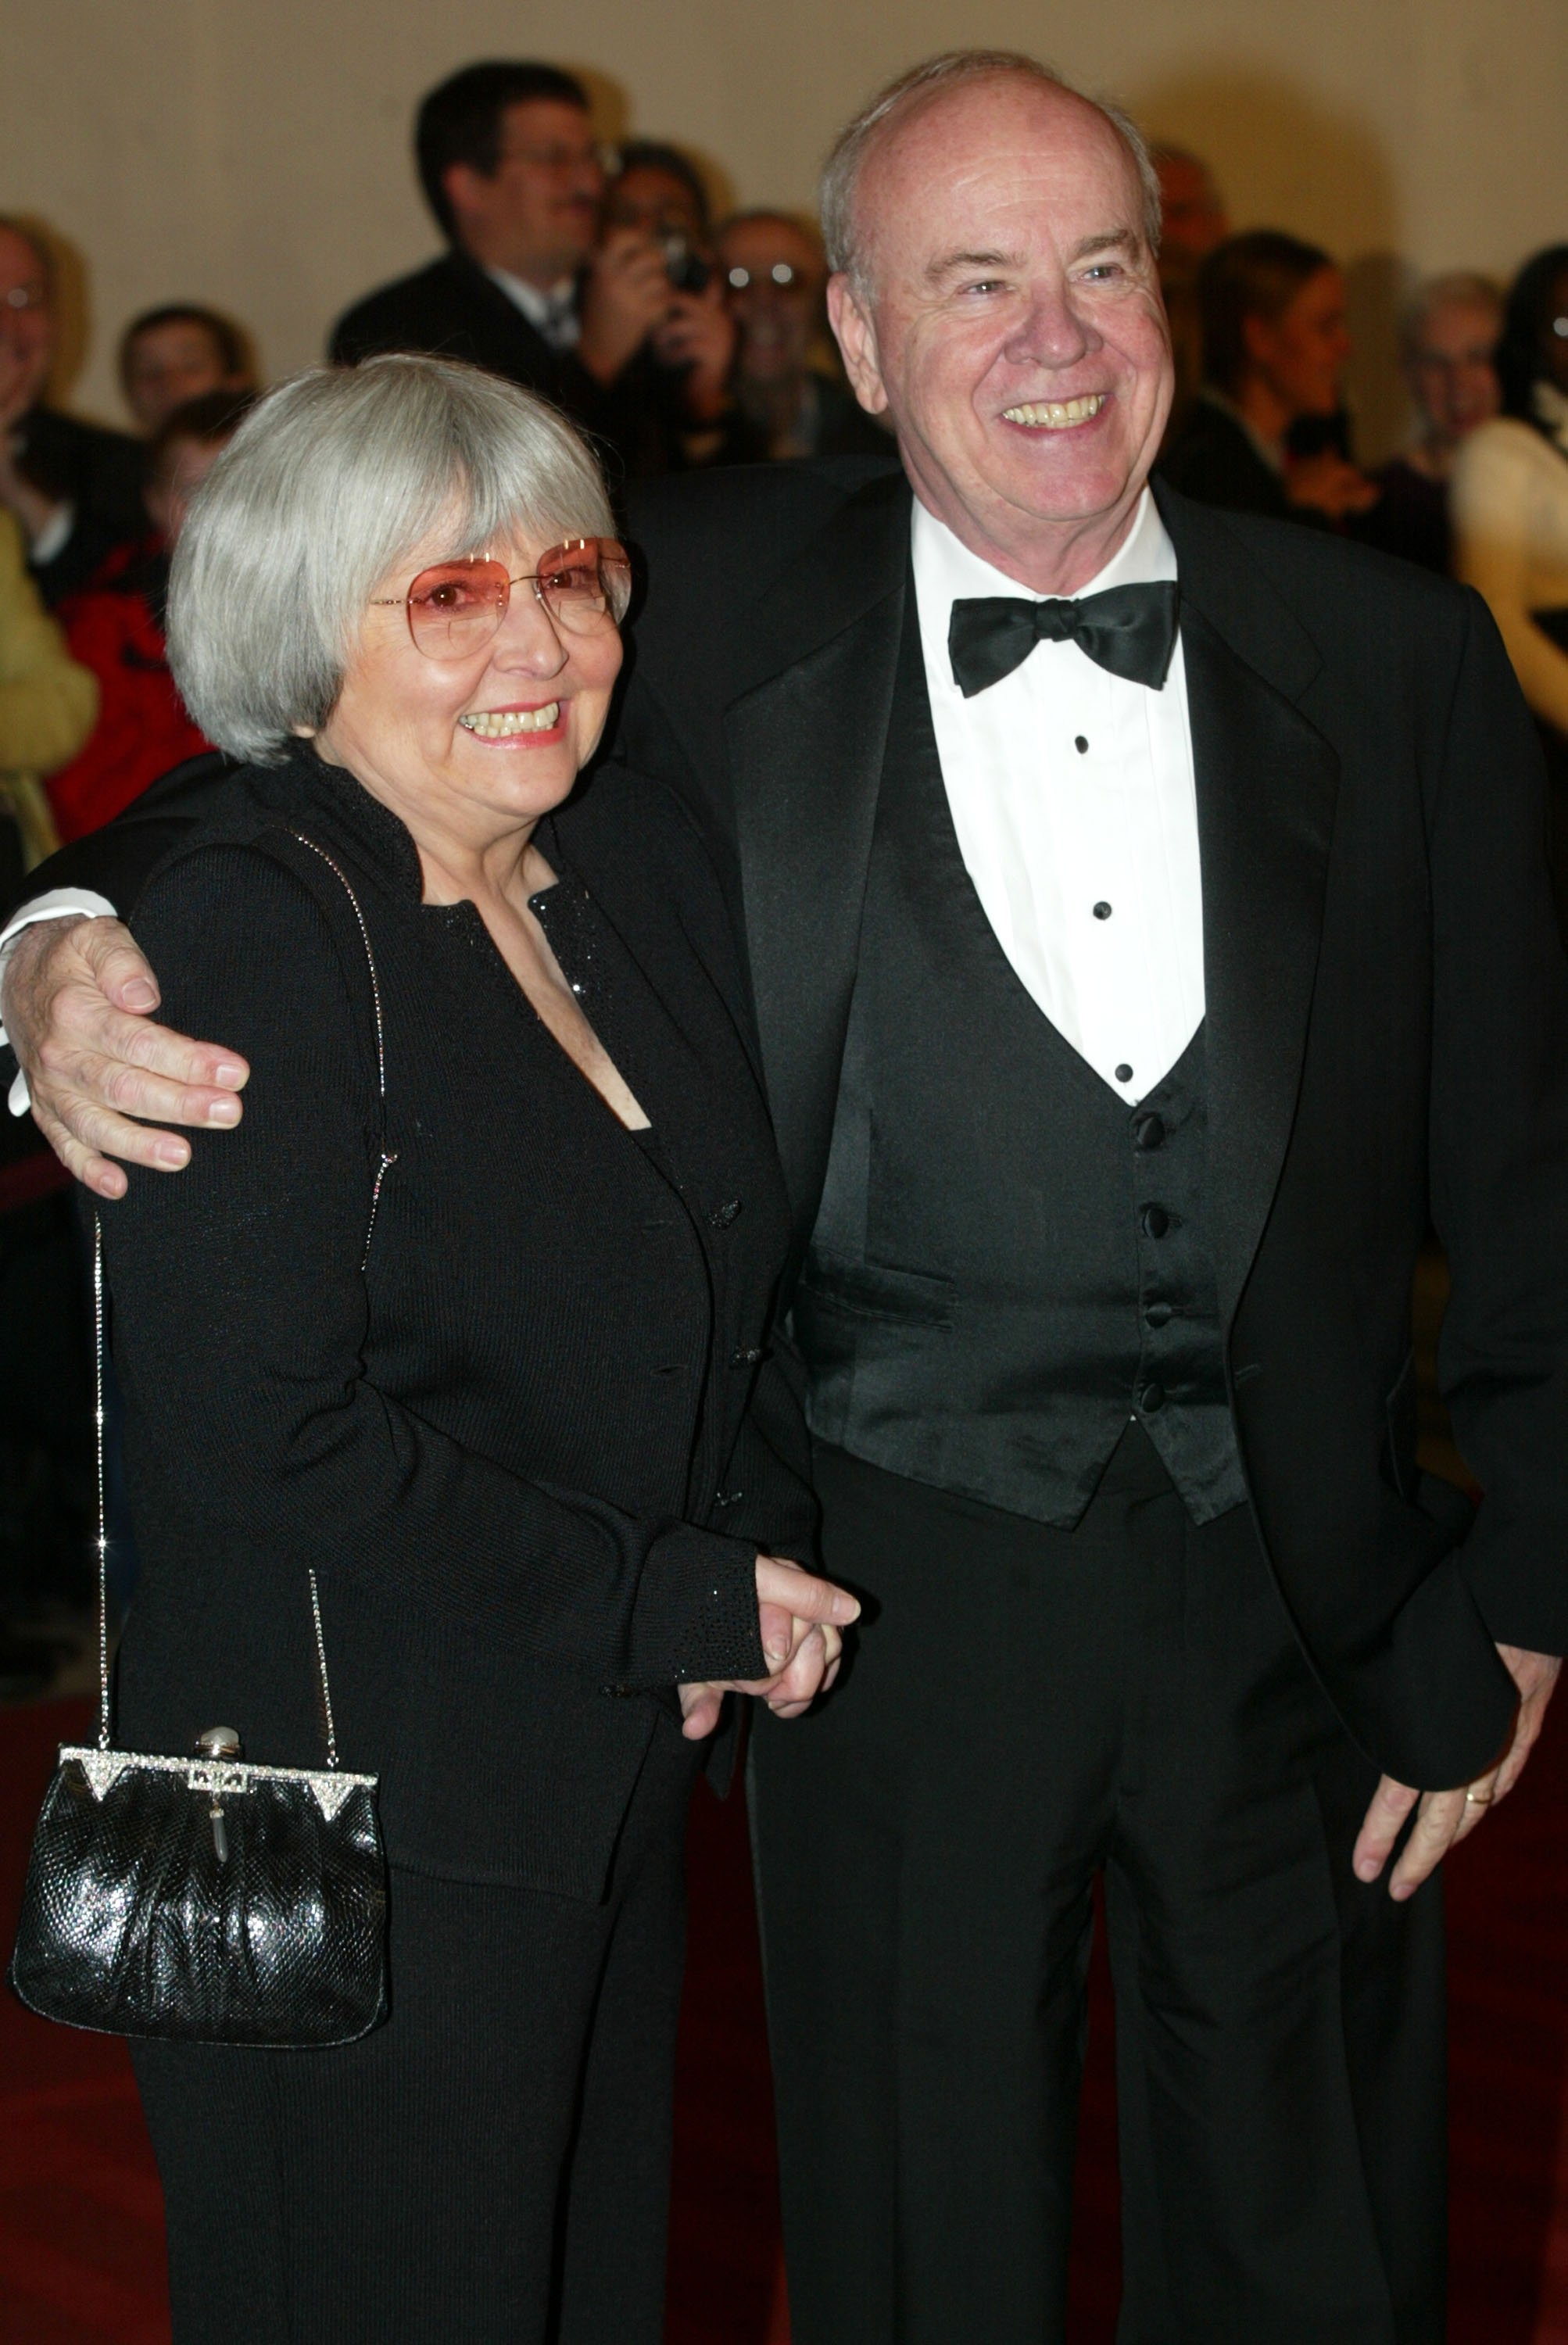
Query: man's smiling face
(1012, 323)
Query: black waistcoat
(1008, 1263)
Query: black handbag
(205, 1898)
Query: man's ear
(463, 186)
(857, 340)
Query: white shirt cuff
(53, 537)
(56, 904)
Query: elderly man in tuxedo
(1149, 935)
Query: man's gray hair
(910, 94)
(332, 480)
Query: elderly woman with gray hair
(531, 1444)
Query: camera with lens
(684, 265)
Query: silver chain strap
(102, 1542)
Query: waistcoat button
(1152, 1397)
(1149, 1131)
(1155, 1221)
(1158, 1314)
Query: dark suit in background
(1198, 1702)
(101, 475)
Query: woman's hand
(802, 1620)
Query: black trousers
(1027, 1707)
(491, 2165)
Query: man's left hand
(1444, 1818)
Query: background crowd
(679, 341)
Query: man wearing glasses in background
(510, 169)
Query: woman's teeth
(1056, 415)
(500, 723)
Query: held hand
(1328, 484)
(802, 1620)
(1445, 1818)
(626, 293)
(77, 997)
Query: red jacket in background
(115, 626)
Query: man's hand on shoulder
(76, 1004)
(1445, 1818)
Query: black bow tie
(1131, 630)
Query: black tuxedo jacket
(101, 473)
(1387, 1021)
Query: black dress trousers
(1028, 1706)
(489, 2168)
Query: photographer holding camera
(615, 316)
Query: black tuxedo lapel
(805, 748)
(1266, 782)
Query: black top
(516, 1449)
(1213, 459)
(1410, 518)
(101, 473)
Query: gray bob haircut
(329, 483)
(911, 94)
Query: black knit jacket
(532, 1449)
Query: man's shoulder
(91, 452)
(747, 523)
(1324, 578)
(425, 306)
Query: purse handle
(388, 1159)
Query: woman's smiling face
(482, 743)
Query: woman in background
(1275, 343)
(1510, 517)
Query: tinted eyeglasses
(457, 607)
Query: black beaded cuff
(696, 1614)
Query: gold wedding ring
(1481, 1798)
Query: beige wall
(254, 152)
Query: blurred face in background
(774, 274)
(655, 203)
(1299, 356)
(537, 213)
(1450, 370)
(26, 326)
(166, 365)
(1554, 337)
(181, 469)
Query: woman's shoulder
(1502, 453)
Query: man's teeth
(500, 723)
(1056, 415)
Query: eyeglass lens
(457, 607)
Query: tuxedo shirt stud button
(1151, 1398)
(1101, 911)
(1124, 1073)
(1080, 744)
(1155, 1221)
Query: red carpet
(80, 2245)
